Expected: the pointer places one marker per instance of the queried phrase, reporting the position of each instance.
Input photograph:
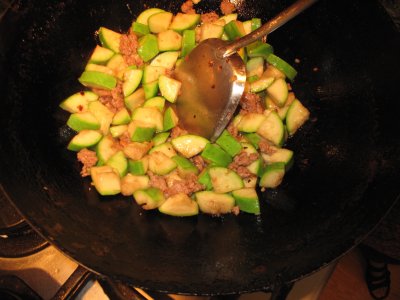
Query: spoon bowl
(211, 88)
(213, 78)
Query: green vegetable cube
(214, 154)
(229, 143)
(148, 47)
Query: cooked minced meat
(114, 99)
(199, 162)
(243, 172)
(88, 158)
(236, 210)
(209, 17)
(227, 7)
(266, 147)
(232, 129)
(187, 186)
(177, 131)
(251, 103)
(187, 7)
(157, 181)
(117, 95)
(128, 48)
(240, 163)
(124, 139)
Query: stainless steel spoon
(213, 77)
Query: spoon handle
(283, 17)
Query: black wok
(345, 176)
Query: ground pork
(157, 181)
(251, 103)
(117, 95)
(187, 186)
(124, 139)
(232, 129)
(236, 210)
(88, 158)
(187, 7)
(243, 172)
(199, 162)
(114, 99)
(266, 147)
(240, 163)
(177, 131)
(227, 7)
(209, 17)
(128, 47)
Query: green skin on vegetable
(135, 141)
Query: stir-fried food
(128, 137)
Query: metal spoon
(213, 77)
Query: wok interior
(341, 184)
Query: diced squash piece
(179, 205)
(182, 22)
(149, 198)
(84, 139)
(213, 203)
(189, 145)
(296, 116)
(247, 200)
(106, 181)
(109, 39)
(132, 183)
(224, 180)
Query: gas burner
(17, 239)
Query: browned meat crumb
(240, 163)
(157, 181)
(104, 96)
(227, 7)
(124, 139)
(88, 158)
(128, 48)
(187, 186)
(251, 103)
(232, 129)
(177, 131)
(187, 7)
(199, 162)
(266, 147)
(117, 94)
(243, 172)
(209, 17)
(114, 99)
(236, 210)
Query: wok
(344, 179)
